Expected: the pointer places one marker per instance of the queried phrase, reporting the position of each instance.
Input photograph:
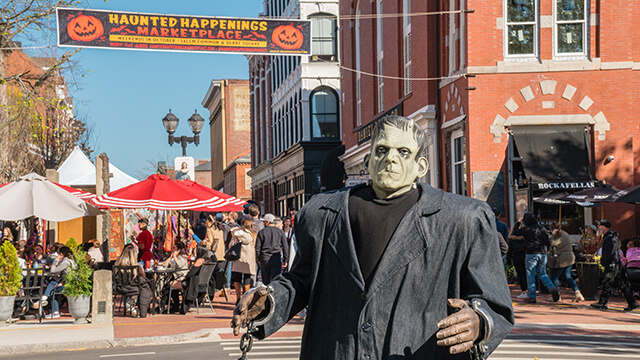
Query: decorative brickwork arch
(592, 114)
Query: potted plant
(10, 276)
(78, 287)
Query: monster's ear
(366, 162)
(423, 166)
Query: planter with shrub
(10, 276)
(78, 287)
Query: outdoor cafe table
(158, 278)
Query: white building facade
(295, 111)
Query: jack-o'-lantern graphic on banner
(91, 28)
(288, 37)
(85, 28)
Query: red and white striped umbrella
(218, 202)
(86, 196)
(158, 192)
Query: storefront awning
(555, 157)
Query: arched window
(324, 114)
(323, 37)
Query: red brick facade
(483, 91)
(229, 109)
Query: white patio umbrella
(34, 195)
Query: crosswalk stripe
(269, 353)
(542, 353)
(570, 341)
(255, 347)
(227, 343)
(512, 349)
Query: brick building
(295, 111)
(532, 94)
(228, 104)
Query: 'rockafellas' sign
(124, 30)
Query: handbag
(233, 252)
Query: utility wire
(401, 78)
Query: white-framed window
(324, 114)
(458, 163)
(358, 74)
(521, 35)
(380, 47)
(406, 43)
(571, 30)
(323, 37)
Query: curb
(102, 344)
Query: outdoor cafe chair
(125, 280)
(204, 276)
(206, 271)
(32, 287)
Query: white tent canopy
(77, 170)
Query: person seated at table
(27, 255)
(54, 250)
(60, 267)
(176, 261)
(190, 282)
(632, 258)
(129, 257)
(39, 260)
(93, 251)
(7, 235)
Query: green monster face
(392, 163)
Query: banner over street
(142, 31)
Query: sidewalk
(543, 318)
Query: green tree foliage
(36, 111)
(79, 279)
(10, 272)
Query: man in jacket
(384, 271)
(272, 250)
(536, 244)
(614, 274)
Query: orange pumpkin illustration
(287, 37)
(85, 28)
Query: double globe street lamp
(170, 122)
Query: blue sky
(125, 94)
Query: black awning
(554, 157)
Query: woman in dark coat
(190, 282)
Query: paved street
(515, 347)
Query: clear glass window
(323, 37)
(522, 27)
(459, 170)
(324, 114)
(571, 26)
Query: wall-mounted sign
(364, 133)
(185, 168)
(565, 185)
(142, 31)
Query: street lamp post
(170, 122)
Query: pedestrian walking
(272, 250)
(243, 271)
(254, 212)
(614, 276)
(561, 259)
(536, 244)
(516, 255)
